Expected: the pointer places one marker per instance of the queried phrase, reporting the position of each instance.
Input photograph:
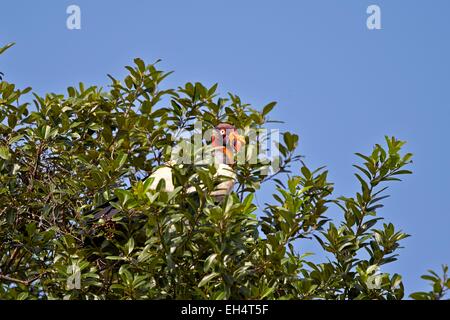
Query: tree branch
(24, 282)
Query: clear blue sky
(339, 86)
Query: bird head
(227, 140)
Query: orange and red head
(227, 140)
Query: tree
(66, 155)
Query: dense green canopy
(64, 155)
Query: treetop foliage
(64, 155)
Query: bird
(225, 142)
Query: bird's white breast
(223, 188)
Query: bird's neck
(223, 155)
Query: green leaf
(402, 172)
(419, 296)
(123, 195)
(267, 292)
(4, 153)
(306, 172)
(213, 89)
(268, 108)
(9, 45)
(22, 296)
(129, 246)
(208, 278)
(430, 278)
(121, 159)
(291, 140)
(140, 63)
(210, 261)
(46, 132)
(115, 258)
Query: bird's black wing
(106, 210)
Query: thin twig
(24, 282)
